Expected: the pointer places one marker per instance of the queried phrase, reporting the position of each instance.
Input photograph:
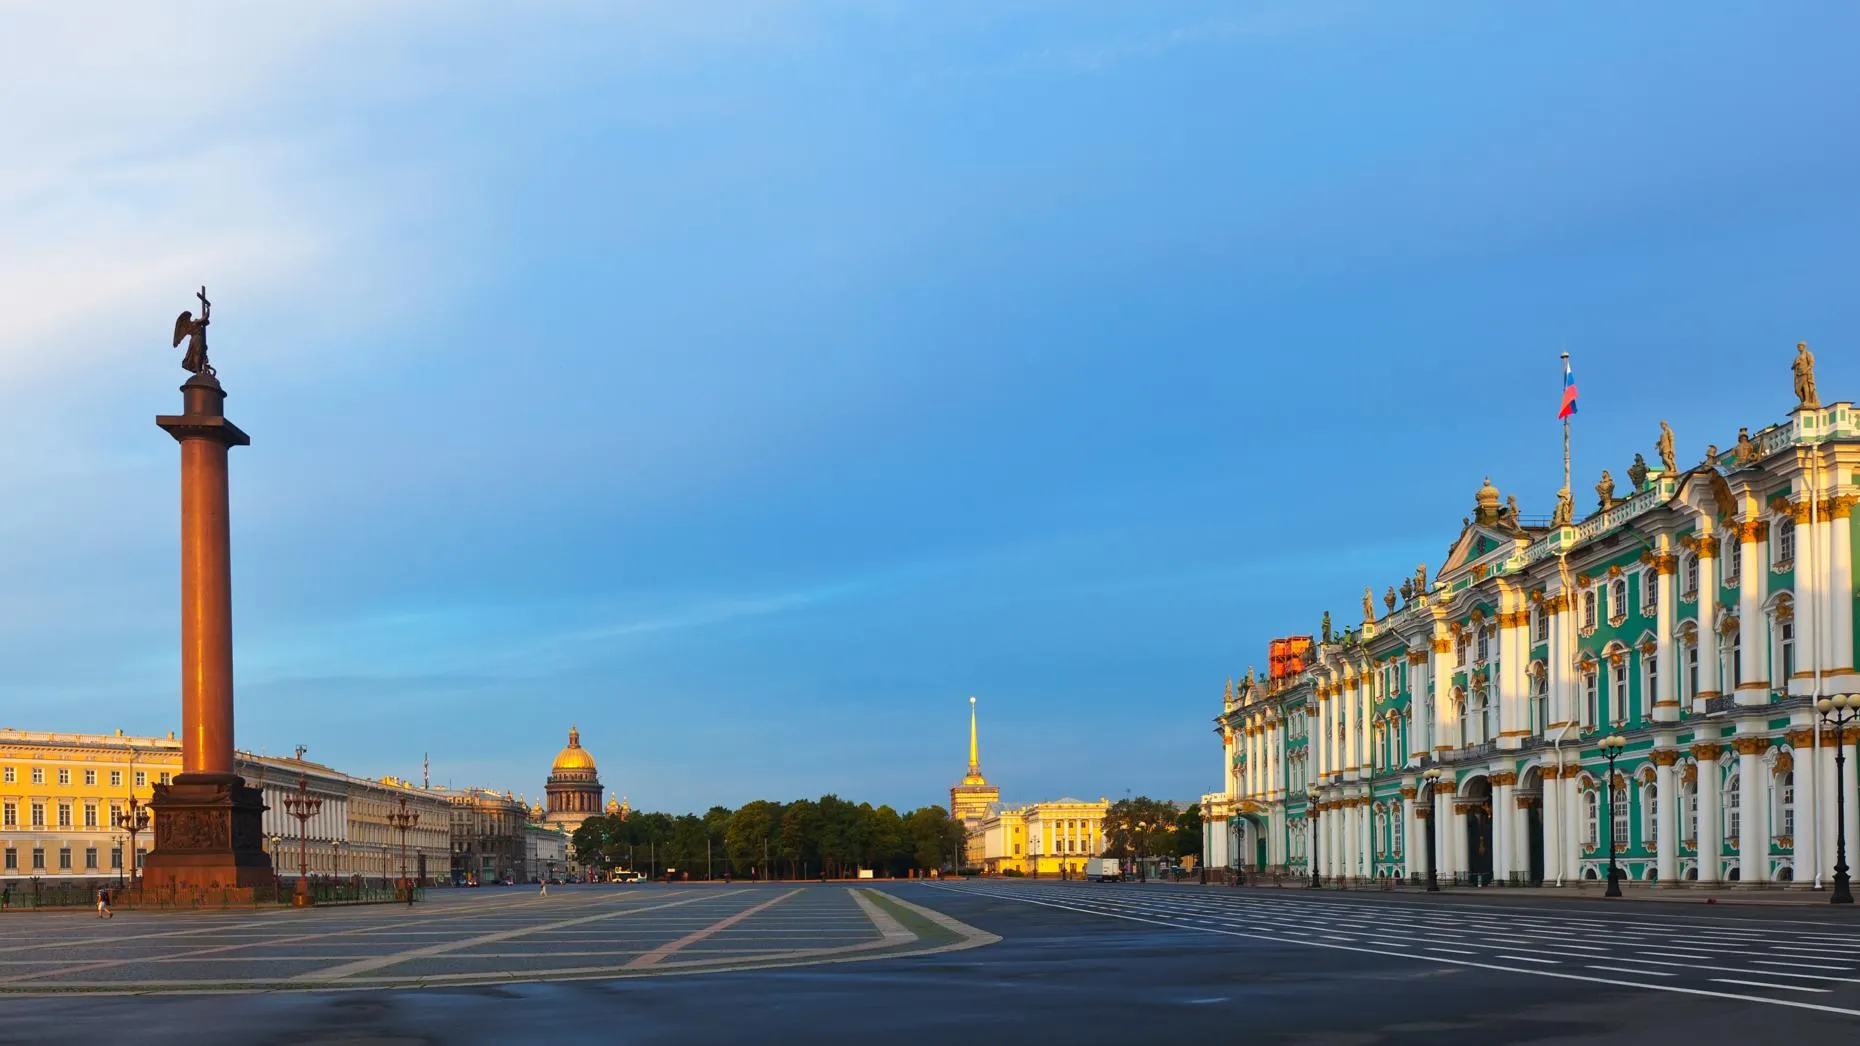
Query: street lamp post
(1611, 749)
(401, 820)
(133, 819)
(1838, 711)
(1432, 777)
(303, 806)
(1312, 810)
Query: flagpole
(1566, 485)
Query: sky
(749, 384)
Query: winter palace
(1699, 616)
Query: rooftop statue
(1805, 376)
(1667, 459)
(1420, 580)
(1388, 599)
(1326, 626)
(1565, 512)
(1605, 489)
(195, 331)
(1637, 473)
(1369, 603)
(1746, 450)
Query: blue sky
(751, 383)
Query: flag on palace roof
(1569, 391)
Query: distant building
(974, 799)
(1041, 839)
(545, 850)
(489, 838)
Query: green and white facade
(1700, 617)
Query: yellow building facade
(1041, 839)
(62, 797)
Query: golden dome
(574, 757)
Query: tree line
(804, 839)
(1144, 827)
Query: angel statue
(1668, 460)
(195, 331)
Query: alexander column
(208, 831)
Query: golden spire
(975, 753)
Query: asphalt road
(1089, 963)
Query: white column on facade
(1333, 840)
(1421, 729)
(1709, 683)
(1666, 662)
(1752, 629)
(1575, 812)
(1553, 825)
(1559, 659)
(1852, 768)
(1346, 711)
(1513, 656)
(1711, 814)
(1444, 665)
(1366, 712)
(1666, 816)
(1840, 583)
(1503, 810)
(1753, 814)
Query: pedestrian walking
(103, 904)
(545, 888)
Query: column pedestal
(208, 835)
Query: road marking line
(1674, 988)
(1766, 984)
(1454, 951)
(1626, 969)
(1526, 958)
(659, 954)
(887, 924)
(1802, 965)
(365, 965)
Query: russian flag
(1569, 391)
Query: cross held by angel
(195, 331)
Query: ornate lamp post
(133, 819)
(1312, 810)
(1838, 711)
(1611, 749)
(1432, 777)
(303, 806)
(401, 820)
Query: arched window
(1782, 629)
(1459, 712)
(1618, 812)
(1733, 819)
(1649, 677)
(1588, 609)
(1782, 542)
(1692, 666)
(1591, 820)
(1540, 625)
(1689, 811)
(1689, 576)
(1650, 815)
(1591, 694)
(1732, 561)
(1540, 699)
(1618, 687)
(1649, 592)
(1617, 598)
(1785, 804)
(1485, 644)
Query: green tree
(936, 839)
(1188, 832)
(752, 836)
(890, 847)
(800, 836)
(1139, 828)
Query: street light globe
(1432, 774)
(1825, 705)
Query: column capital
(1664, 756)
(1751, 745)
(1707, 750)
(1503, 779)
